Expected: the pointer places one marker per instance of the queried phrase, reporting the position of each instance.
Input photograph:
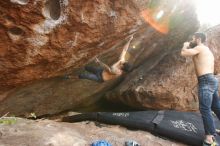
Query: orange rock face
(40, 39)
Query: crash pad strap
(158, 118)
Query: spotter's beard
(192, 44)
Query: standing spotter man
(203, 60)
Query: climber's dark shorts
(94, 74)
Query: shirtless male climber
(203, 60)
(104, 72)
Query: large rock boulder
(44, 40)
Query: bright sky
(208, 11)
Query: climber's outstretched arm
(125, 49)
